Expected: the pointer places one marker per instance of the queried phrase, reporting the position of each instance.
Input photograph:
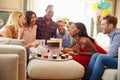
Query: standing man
(99, 61)
(62, 32)
(46, 26)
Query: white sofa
(112, 74)
(12, 60)
(109, 74)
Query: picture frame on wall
(17, 5)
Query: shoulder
(35, 27)
(85, 40)
(8, 27)
(40, 18)
(117, 31)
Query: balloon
(106, 5)
(100, 4)
(105, 12)
(94, 6)
(98, 11)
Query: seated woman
(30, 28)
(83, 45)
(15, 28)
(16, 21)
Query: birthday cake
(54, 42)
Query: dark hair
(83, 31)
(49, 6)
(28, 16)
(111, 19)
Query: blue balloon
(100, 4)
(106, 5)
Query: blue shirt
(114, 43)
(66, 39)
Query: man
(62, 32)
(46, 27)
(110, 60)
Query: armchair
(12, 62)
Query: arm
(113, 51)
(21, 33)
(32, 44)
(5, 32)
(89, 45)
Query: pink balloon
(98, 12)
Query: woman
(16, 22)
(15, 29)
(83, 46)
(29, 30)
(30, 27)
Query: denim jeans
(97, 65)
(27, 52)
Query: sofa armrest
(9, 66)
(19, 50)
(118, 76)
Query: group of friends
(76, 40)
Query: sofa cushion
(110, 74)
(10, 41)
(103, 40)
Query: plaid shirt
(45, 31)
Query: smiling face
(33, 19)
(74, 30)
(21, 20)
(49, 11)
(108, 24)
(61, 27)
(106, 28)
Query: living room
(63, 9)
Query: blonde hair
(13, 21)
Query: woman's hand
(65, 50)
(35, 44)
(76, 48)
(71, 53)
(32, 44)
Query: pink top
(30, 34)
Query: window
(75, 10)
